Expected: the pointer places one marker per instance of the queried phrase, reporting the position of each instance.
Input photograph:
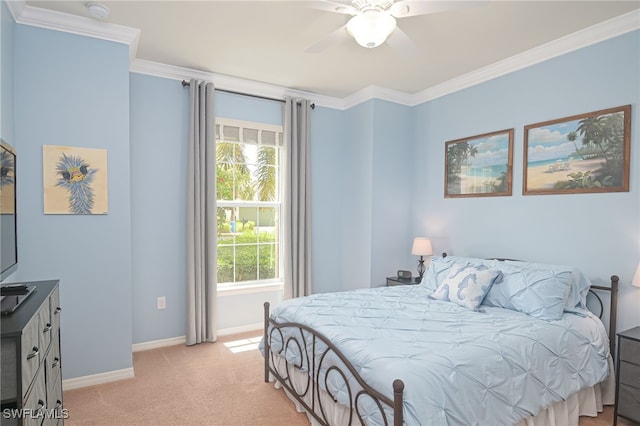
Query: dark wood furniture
(322, 348)
(628, 376)
(31, 370)
(391, 281)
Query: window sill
(234, 290)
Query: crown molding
(49, 19)
(596, 33)
(80, 25)
(227, 82)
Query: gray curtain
(297, 205)
(201, 216)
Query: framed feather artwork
(74, 180)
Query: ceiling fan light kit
(371, 27)
(373, 22)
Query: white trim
(80, 25)
(98, 379)
(234, 290)
(596, 33)
(182, 340)
(226, 82)
(29, 15)
(154, 344)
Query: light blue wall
(74, 91)
(6, 74)
(364, 179)
(357, 187)
(159, 127)
(597, 232)
(392, 184)
(328, 168)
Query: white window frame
(272, 284)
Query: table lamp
(421, 247)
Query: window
(248, 192)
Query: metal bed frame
(317, 373)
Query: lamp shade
(636, 277)
(371, 28)
(421, 246)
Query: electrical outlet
(161, 302)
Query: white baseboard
(181, 340)
(127, 373)
(153, 344)
(97, 379)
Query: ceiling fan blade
(332, 38)
(334, 6)
(404, 8)
(400, 41)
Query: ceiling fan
(373, 22)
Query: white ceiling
(265, 41)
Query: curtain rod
(186, 83)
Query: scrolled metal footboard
(313, 350)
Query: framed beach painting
(479, 166)
(579, 154)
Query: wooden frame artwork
(579, 154)
(479, 166)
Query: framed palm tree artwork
(583, 153)
(479, 166)
(74, 180)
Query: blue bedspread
(493, 367)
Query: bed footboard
(314, 350)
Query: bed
(477, 342)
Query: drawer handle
(46, 328)
(57, 311)
(58, 404)
(41, 405)
(55, 362)
(34, 353)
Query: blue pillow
(466, 285)
(541, 293)
(439, 267)
(579, 287)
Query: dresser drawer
(630, 374)
(54, 304)
(52, 364)
(31, 353)
(629, 402)
(630, 351)
(44, 319)
(36, 402)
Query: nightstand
(391, 281)
(628, 376)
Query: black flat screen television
(8, 219)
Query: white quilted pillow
(467, 285)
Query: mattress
(494, 366)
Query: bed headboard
(613, 308)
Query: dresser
(628, 376)
(31, 385)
